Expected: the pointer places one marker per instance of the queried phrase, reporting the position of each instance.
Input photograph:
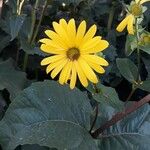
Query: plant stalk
(138, 52)
(19, 9)
(40, 21)
(121, 115)
(111, 16)
(95, 118)
(33, 20)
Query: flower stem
(111, 16)
(131, 93)
(33, 20)
(95, 118)
(25, 63)
(138, 51)
(19, 9)
(121, 115)
(40, 21)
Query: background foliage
(37, 113)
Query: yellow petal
(68, 74)
(62, 33)
(144, 1)
(64, 73)
(71, 31)
(137, 1)
(56, 38)
(63, 23)
(123, 24)
(96, 67)
(90, 34)
(87, 70)
(52, 50)
(95, 59)
(50, 43)
(73, 77)
(52, 59)
(102, 45)
(54, 65)
(81, 74)
(58, 69)
(130, 25)
(80, 33)
(90, 44)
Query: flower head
(145, 39)
(135, 11)
(74, 52)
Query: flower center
(136, 9)
(146, 39)
(73, 53)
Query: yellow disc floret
(73, 53)
(136, 9)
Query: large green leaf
(14, 81)
(106, 95)
(50, 115)
(128, 69)
(4, 40)
(13, 25)
(147, 64)
(131, 133)
(16, 23)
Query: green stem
(139, 63)
(131, 93)
(19, 9)
(95, 118)
(138, 52)
(96, 89)
(40, 21)
(33, 17)
(33, 20)
(111, 16)
(25, 63)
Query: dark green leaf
(34, 147)
(106, 95)
(31, 49)
(131, 44)
(4, 41)
(128, 69)
(14, 81)
(146, 48)
(49, 115)
(16, 23)
(147, 64)
(145, 86)
(130, 133)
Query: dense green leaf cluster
(37, 113)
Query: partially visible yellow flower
(135, 11)
(145, 39)
(74, 52)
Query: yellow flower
(135, 11)
(145, 39)
(74, 52)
